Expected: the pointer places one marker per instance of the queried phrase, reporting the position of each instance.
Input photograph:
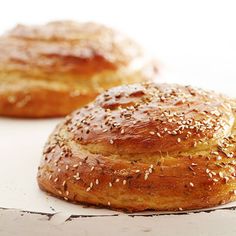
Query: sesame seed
(64, 182)
(91, 185)
(108, 203)
(117, 180)
(124, 182)
(178, 140)
(226, 179)
(111, 141)
(215, 180)
(221, 174)
(50, 177)
(80, 163)
(76, 165)
(60, 192)
(137, 171)
(66, 198)
(180, 208)
(191, 184)
(152, 133)
(110, 184)
(55, 180)
(215, 153)
(193, 164)
(67, 167)
(146, 176)
(230, 155)
(92, 168)
(88, 189)
(67, 193)
(122, 131)
(213, 173)
(96, 181)
(76, 176)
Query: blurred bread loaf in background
(50, 70)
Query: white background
(195, 41)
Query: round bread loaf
(53, 69)
(145, 147)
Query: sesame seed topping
(191, 184)
(178, 140)
(76, 165)
(215, 153)
(108, 203)
(67, 193)
(221, 174)
(110, 184)
(56, 179)
(124, 182)
(92, 168)
(77, 176)
(96, 181)
(226, 179)
(152, 133)
(111, 141)
(146, 176)
(137, 171)
(117, 180)
(88, 189)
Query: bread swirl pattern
(145, 146)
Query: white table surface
(195, 43)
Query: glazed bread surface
(145, 147)
(61, 66)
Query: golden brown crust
(145, 146)
(67, 58)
